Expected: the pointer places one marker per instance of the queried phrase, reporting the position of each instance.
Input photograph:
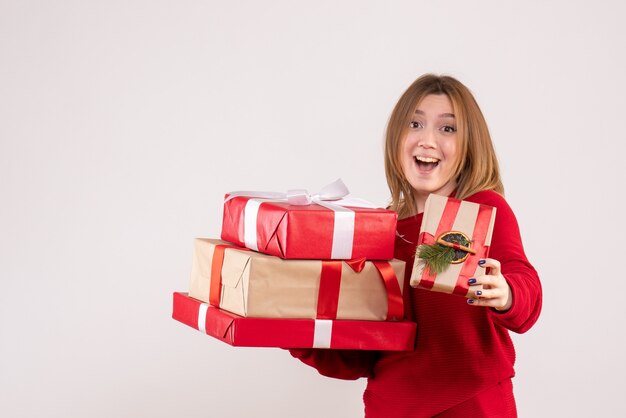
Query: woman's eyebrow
(442, 115)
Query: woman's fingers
(484, 280)
(487, 293)
(499, 303)
(493, 265)
(494, 298)
(491, 289)
(483, 302)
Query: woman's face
(430, 148)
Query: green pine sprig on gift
(436, 258)
(450, 247)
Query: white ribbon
(333, 191)
(331, 197)
(202, 317)
(322, 333)
(250, 213)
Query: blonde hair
(477, 166)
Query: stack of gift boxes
(299, 271)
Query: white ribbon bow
(334, 192)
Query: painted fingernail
(470, 301)
(481, 262)
(471, 281)
(479, 292)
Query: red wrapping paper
(292, 333)
(306, 232)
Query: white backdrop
(123, 123)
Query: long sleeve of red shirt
(460, 350)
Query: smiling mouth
(426, 163)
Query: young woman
(437, 141)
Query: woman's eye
(415, 124)
(449, 129)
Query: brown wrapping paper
(454, 278)
(259, 285)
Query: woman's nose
(427, 139)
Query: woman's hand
(495, 291)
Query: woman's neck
(420, 202)
(420, 197)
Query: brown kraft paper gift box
(446, 215)
(258, 285)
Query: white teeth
(427, 159)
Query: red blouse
(460, 349)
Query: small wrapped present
(454, 236)
(296, 225)
(293, 333)
(252, 284)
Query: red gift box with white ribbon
(447, 219)
(293, 333)
(296, 225)
(252, 284)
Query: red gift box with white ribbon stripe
(446, 215)
(296, 225)
(293, 333)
